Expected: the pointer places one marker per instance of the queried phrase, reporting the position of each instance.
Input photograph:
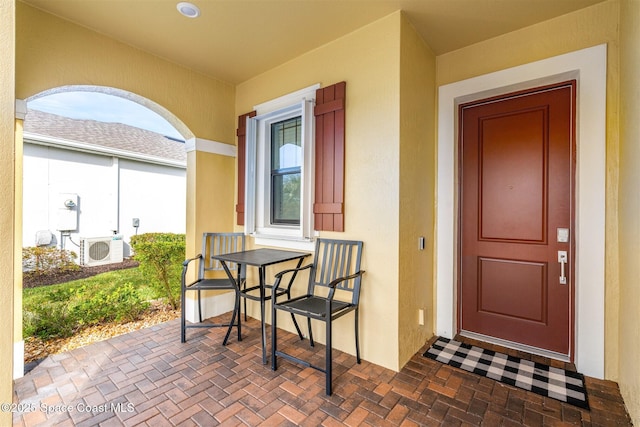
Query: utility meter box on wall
(67, 204)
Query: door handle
(563, 259)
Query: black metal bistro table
(261, 258)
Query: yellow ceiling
(234, 40)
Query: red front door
(516, 214)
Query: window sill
(284, 243)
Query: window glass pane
(286, 162)
(285, 198)
(286, 143)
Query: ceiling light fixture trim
(187, 9)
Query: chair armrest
(291, 270)
(279, 276)
(186, 262)
(334, 283)
(185, 267)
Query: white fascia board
(50, 141)
(213, 147)
(21, 109)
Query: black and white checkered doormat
(556, 383)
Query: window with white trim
(279, 168)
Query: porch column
(18, 342)
(8, 216)
(210, 207)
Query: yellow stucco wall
(368, 60)
(7, 208)
(417, 191)
(52, 52)
(616, 23)
(209, 209)
(210, 193)
(390, 82)
(587, 27)
(629, 206)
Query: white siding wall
(111, 192)
(155, 194)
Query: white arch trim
(138, 99)
(589, 67)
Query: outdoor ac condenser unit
(100, 250)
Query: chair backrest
(216, 244)
(334, 259)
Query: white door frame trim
(589, 67)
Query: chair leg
(236, 307)
(274, 338)
(239, 317)
(244, 286)
(295, 323)
(329, 359)
(310, 332)
(357, 340)
(199, 307)
(183, 326)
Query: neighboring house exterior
(114, 174)
(400, 182)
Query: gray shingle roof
(109, 135)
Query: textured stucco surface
(629, 207)
(367, 60)
(7, 207)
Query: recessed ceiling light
(188, 9)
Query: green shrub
(127, 303)
(122, 303)
(48, 319)
(42, 260)
(62, 310)
(160, 256)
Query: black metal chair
(270, 293)
(213, 244)
(335, 271)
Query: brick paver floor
(149, 378)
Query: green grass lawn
(61, 310)
(93, 283)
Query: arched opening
(98, 162)
(162, 112)
(94, 177)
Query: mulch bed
(36, 349)
(33, 281)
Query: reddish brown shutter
(328, 208)
(241, 133)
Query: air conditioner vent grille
(99, 250)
